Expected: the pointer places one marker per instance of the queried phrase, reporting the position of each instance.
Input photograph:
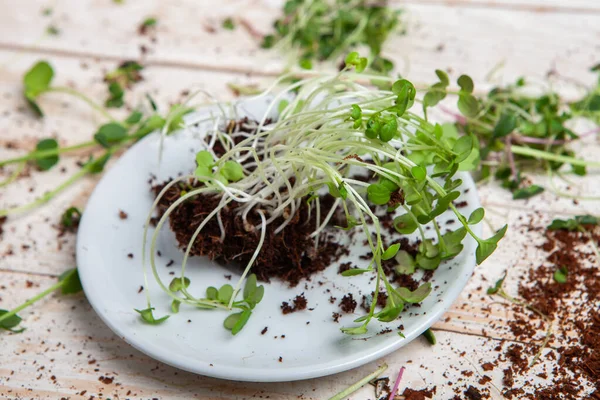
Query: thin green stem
(81, 96)
(34, 299)
(15, 174)
(46, 197)
(36, 155)
(527, 151)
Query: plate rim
(282, 374)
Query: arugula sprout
(430, 336)
(37, 81)
(68, 283)
(45, 163)
(574, 224)
(52, 30)
(516, 131)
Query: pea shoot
(319, 30)
(309, 150)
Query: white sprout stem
(263, 233)
(147, 226)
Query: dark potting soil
(289, 255)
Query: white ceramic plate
(194, 340)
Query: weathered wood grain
(529, 37)
(475, 39)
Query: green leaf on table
(109, 134)
(228, 24)
(428, 334)
(465, 83)
(96, 165)
(11, 322)
(37, 80)
(505, 125)
(497, 286)
(560, 275)
(70, 282)
(70, 217)
(527, 192)
(45, 163)
(134, 117)
(443, 77)
(115, 95)
(148, 317)
(572, 224)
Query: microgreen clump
(332, 125)
(325, 30)
(68, 283)
(517, 131)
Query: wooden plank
(66, 349)
(439, 36)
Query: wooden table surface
(66, 348)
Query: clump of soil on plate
(289, 255)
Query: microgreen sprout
(498, 290)
(68, 283)
(517, 131)
(111, 136)
(70, 217)
(325, 30)
(309, 150)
